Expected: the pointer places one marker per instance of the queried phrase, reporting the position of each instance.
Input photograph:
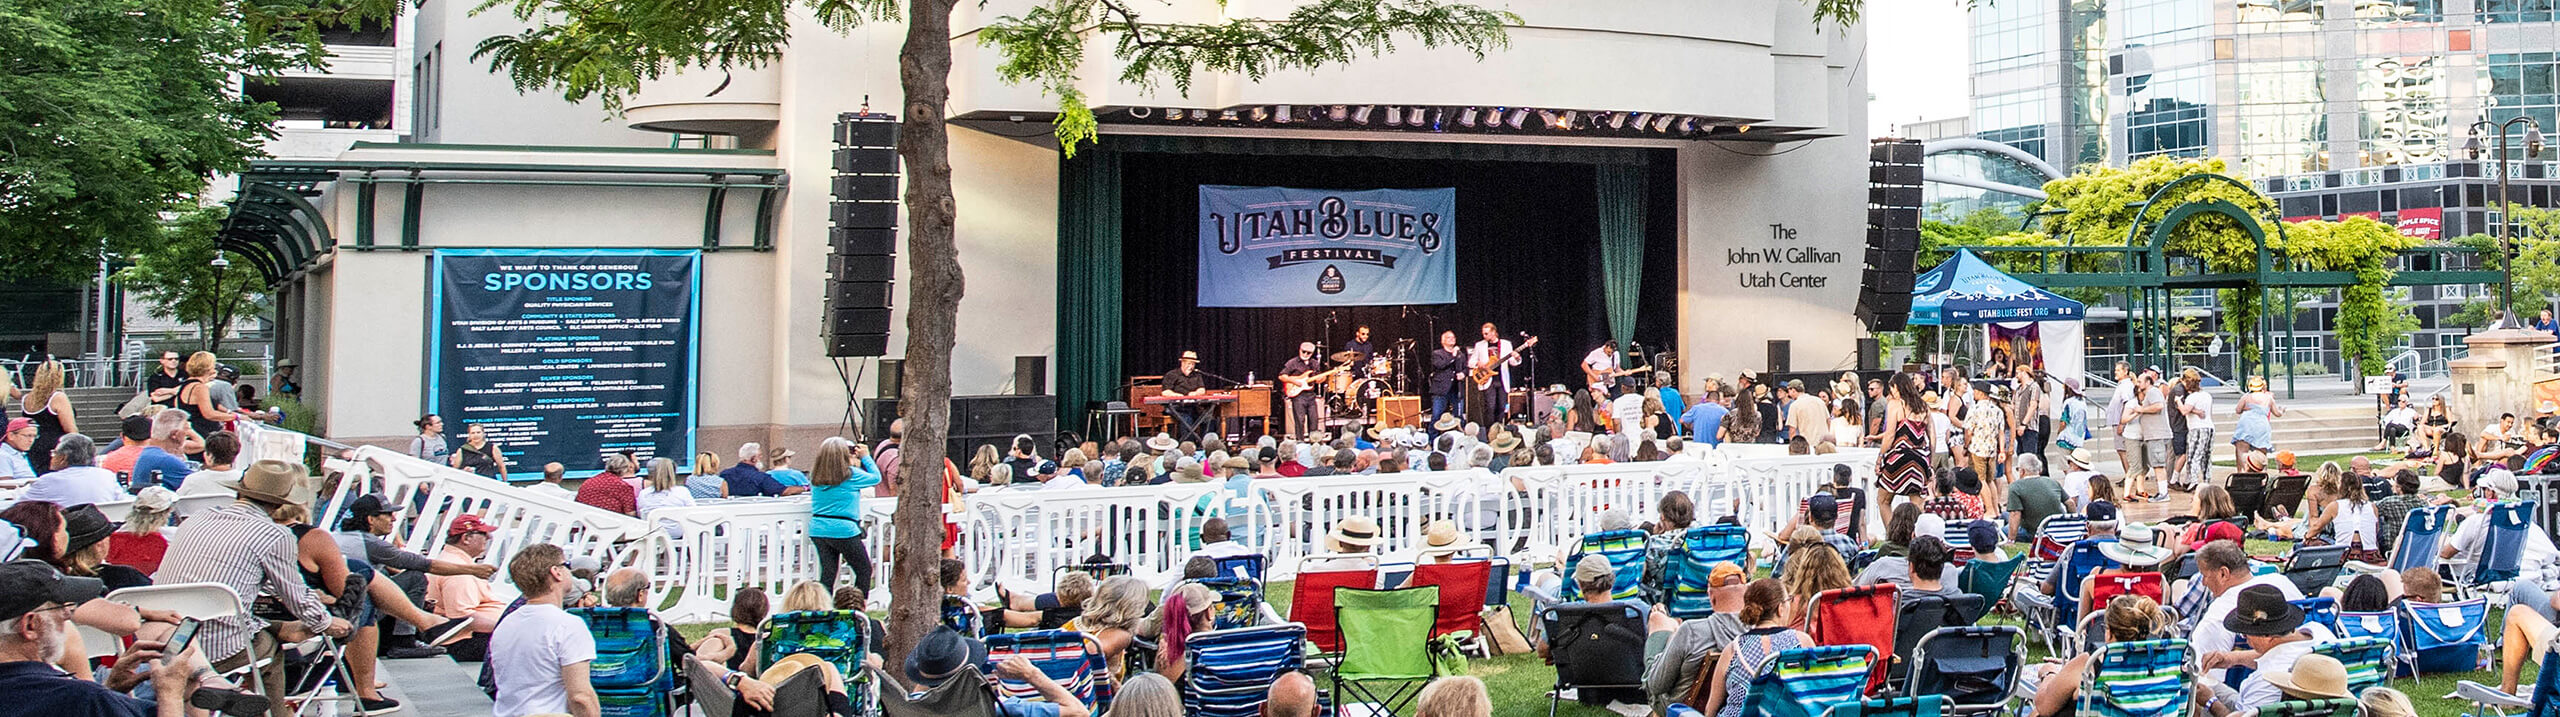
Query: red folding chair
(1311, 598)
(2103, 588)
(1462, 586)
(1858, 616)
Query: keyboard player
(1189, 418)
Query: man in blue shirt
(1706, 418)
(745, 479)
(942, 654)
(160, 463)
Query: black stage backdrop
(1528, 260)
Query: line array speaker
(1893, 233)
(862, 244)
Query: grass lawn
(1519, 683)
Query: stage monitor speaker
(1870, 354)
(1882, 321)
(1030, 375)
(862, 260)
(1888, 283)
(1893, 196)
(1781, 356)
(1400, 411)
(1902, 174)
(893, 379)
(1888, 260)
(1901, 240)
(1896, 151)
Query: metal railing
(114, 372)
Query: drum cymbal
(1344, 356)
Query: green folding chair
(1386, 645)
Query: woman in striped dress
(1902, 463)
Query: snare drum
(1381, 366)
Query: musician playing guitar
(1186, 380)
(1600, 369)
(1489, 374)
(1295, 379)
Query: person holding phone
(35, 620)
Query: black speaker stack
(1893, 233)
(862, 236)
(982, 420)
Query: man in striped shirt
(240, 546)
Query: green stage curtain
(1622, 195)
(1088, 284)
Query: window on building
(2516, 10)
(2017, 119)
(2009, 35)
(326, 102)
(2384, 13)
(2278, 111)
(424, 84)
(366, 34)
(2156, 22)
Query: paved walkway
(434, 686)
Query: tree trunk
(933, 307)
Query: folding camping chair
(963, 616)
(963, 695)
(838, 637)
(2106, 588)
(1974, 667)
(1462, 584)
(1701, 548)
(1071, 659)
(2444, 637)
(2312, 567)
(1231, 671)
(2421, 533)
(1598, 651)
(1959, 535)
(1311, 595)
(632, 673)
(210, 601)
(2055, 618)
(1808, 682)
(2146, 678)
(2368, 660)
(1624, 549)
(1989, 579)
(1249, 565)
(2322, 610)
(1911, 706)
(2486, 700)
(2248, 493)
(1239, 600)
(1386, 637)
(1861, 615)
(2309, 708)
(1099, 570)
(2384, 626)
(2502, 553)
(1920, 616)
(2285, 492)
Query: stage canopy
(1967, 290)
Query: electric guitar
(1484, 375)
(1291, 386)
(1597, 379)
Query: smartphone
(179, 638)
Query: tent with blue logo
(1967, 290)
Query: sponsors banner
(1276, 246)
(2423, 223)
(567, 355)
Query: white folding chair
(208, 601)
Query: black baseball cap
(371, 504)
(28, 584)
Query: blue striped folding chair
(2309, 708)
(2147, 678)
(1920, 706)
(1808, 682)
(1624, 549)
(632, 672)
(961, 615)
(2444, 637)
(2368, 660)
(1239, 601)
(1701, 548)
(2421, 533)
(1231, 671)
(1241, 566)
(2384, 626)
(1069, 658)
(2322, 610)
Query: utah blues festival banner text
(1277, 246)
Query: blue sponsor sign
(1276, 246)
(567, 355)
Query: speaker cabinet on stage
(1403, 411)
(1030, 375)
(1781, 356)
(893, 379)
(862, 254)
(981, 420)
(1894, 195)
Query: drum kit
(1353, 391)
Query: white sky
(1915, 62)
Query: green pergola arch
(2144, 268)
(274, 226)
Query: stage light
(1395, 117)
(1617, 120)
(1662, 123)
(1285, 112)
(1688, 125)
(1519, 117)
(1261, 114)
(1361, 116)
(1141, 112)
(1415, 118)
(1642, 118)
(1744, 128)
(1570, 117)
(1227, 116)
(1338, 113)
(1467, 118)
(1173, 113)
(1439, 119)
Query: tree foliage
(2537, 272)
(114, 111)
(177, 278)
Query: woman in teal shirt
(836, 481)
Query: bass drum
(1360, 399)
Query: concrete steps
(95, 409)
(2322, 428)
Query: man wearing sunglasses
(35, 618)
(163, 383)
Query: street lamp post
(213, 332)
(2506, 221)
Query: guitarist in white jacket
(1492, 400)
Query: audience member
(79, 481)
(1765, 609)
(540, 655)
(467, 594)
(240, 546)
(1453, 696)
(945, 654)
(221, 472)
